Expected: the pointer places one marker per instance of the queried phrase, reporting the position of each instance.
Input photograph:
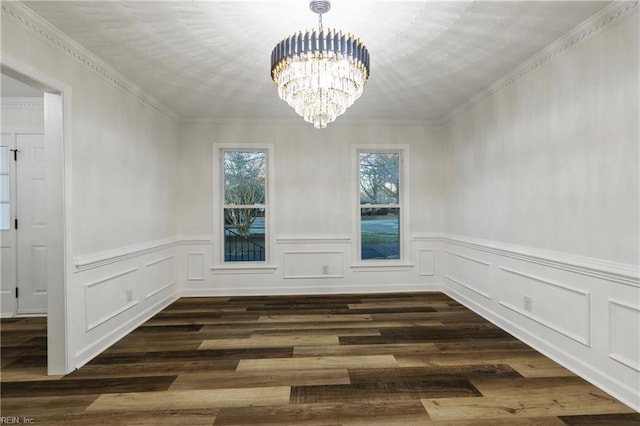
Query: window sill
(382, 267)
(244, 269)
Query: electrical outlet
(325, 269)
(527, 303)
(129, 295)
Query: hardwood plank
(195, 417)
(318, 331)
(331, 362)
(27, 374)
(628, 419)
(269, 342)
(191, 399)
(384, 390)
(37, 406)
(312, 318)
(191, 355)
(314, 325)
(383, 349)
(566, 402)
(511, 421)
(367, 375)
(152, 368)
(247, 379)
(85, 386)
(324, 414)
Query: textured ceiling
(210, 60)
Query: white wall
(119, 154)
(542, 196)
(313, 205)
(22, 115)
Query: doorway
(32, 208)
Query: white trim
(433, 261)
(193, 240)
(218, 203)
(163, 259)
(343, 122)
(604, 18)
(610, 384)
(311, 289)
(597, 268)
(472, 259)
(468, 286)
(94, 349)
(91, 325)
(95, 260)
(382, 267)
(404, 205)
(313, 239)
(111, 315)
(245, 268)
(22, 103)
(586, 340)
(431, 237)
(634, 364)
(159, 290)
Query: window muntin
(380, 208)
(245, 205)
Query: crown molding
(301, 123)
(601, 20)
(22, 103)
(34, 23)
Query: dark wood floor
(394, 359)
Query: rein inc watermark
(5, 420)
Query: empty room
(320, 212)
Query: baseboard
(87, 354)
(607, 383)
(310, 290)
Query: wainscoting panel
(121, 289)
(108, 297)
(195, 266)
(624, 329)
(468, 271)
(313, 264)
(538, 299)
(583, 313)
(307, 264)
(161, 275)
(426, 262)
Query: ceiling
(210, 60)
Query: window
(381, 200)
(5, 206)
(244, 205)
(380, 208)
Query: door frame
(59, 267)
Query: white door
(31, 212)
(8, 249)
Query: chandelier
(320, 74)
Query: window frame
(403, 205)
(219, 205)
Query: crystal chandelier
(320, 74)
